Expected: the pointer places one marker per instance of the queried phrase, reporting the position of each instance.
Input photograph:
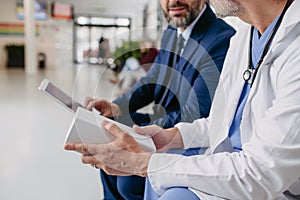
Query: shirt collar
(259, 43)
(187, 32)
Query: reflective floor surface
(33, 128)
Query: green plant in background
(127, 50)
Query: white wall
(138, 32)
(7, 14)
(55, 38)
(137, 23)
(152, 23)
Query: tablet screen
(63, 97)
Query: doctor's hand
(164, 139)
(106, 108)
(122, 157)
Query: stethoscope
(250, 73)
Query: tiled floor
(33, 164)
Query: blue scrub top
(258, 45)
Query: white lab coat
(270, 127)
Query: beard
(225, 8)
(184, 21)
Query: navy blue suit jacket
(190, 94)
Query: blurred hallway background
(33, 164)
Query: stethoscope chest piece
(248, 75)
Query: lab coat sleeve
(268, 164)
(260, 172)
(194, 134)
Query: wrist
(143, 165)
(176, 142)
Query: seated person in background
(134, 69)
(252, 133)
(149, 53)
(181, 82)
(104, 49)
(131, 73)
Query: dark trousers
(122, 187)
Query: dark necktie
(179, 47)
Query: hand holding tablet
(86, 128)
(86, 125)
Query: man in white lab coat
(252, 135)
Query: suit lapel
(192, 45)
(199, 31)
(168, 44)
(165, 76)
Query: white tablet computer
(86, 125)
(59, 96)
(86, 128)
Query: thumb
(89, 103)
(151, 130)
(113, 128)
(87, 100)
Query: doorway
(88, 31)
